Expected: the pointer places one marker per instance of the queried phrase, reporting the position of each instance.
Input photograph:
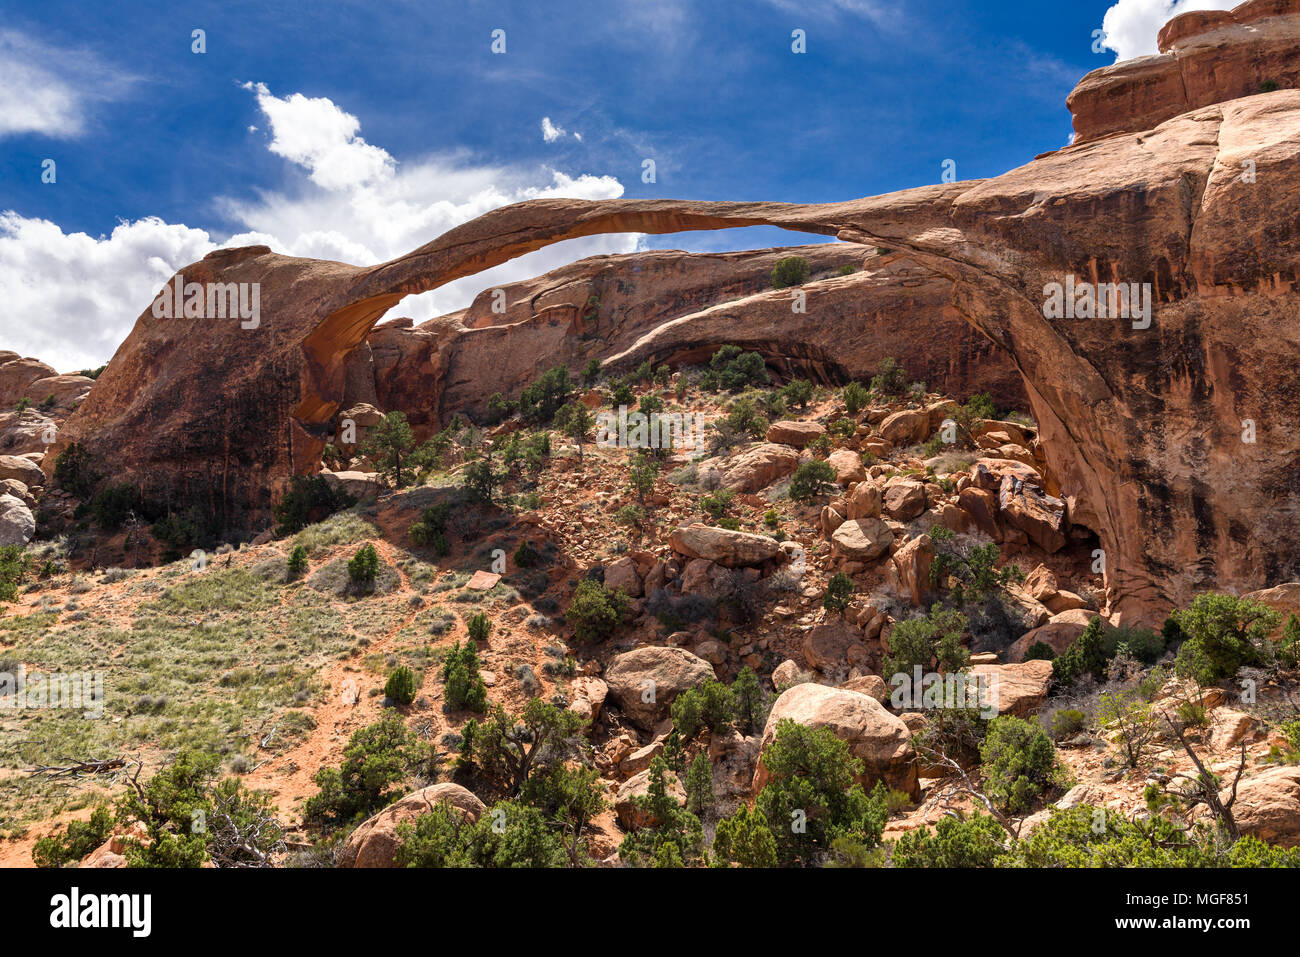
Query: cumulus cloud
(47, 90)
(1131, 26)
(72, 298)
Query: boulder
(1026, 506)
(834, 646)
(721, 545)
(1016, 689)
(847, 465)
(374, 843)
(872, 685)
(16, 375)
(61, 392)
(906, 427)
(587, 696)
(361, 485)
(863, 500)
(904, 499)
(913, 563)
(862, 540)
(645, 681)
(622, 575)
(798, 434)
(1268, 805)
(17, 524)
(877, 738)
(1059, 633)
(22, 469)
(759, 466)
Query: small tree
(752, 702)
(464, 686)
(642, 478)
(700, 799)
(595, 610)
(839, 593)
(479, 627)
(481, 481)
(891, 379)
(1019, 763)
(400, 687)
(297, 563)
(508, 750)
(389, 445)
(811, 479)
(798, 392)
(744, 839)
(363, 566)
(575, 421)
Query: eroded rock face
(1206, 56)
(1141, 422)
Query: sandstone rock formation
(1141, 418)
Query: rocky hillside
(965, 540)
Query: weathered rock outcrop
(1142, 421)
(1206, 56)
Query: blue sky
(358, 131)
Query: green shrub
(1222, 634)
(916, 642)
(479, 627)
(717, 503)
(13, 566)
(540, 401)
(839, 593)
(480, 482)
(307, 501)
(790, 271)
(595, 610)
(811, 479)
(1018, 763)
(77, 840)
(891, 379)
(973, 842)
(431, 527)
(812, 795)
(376, 758)
(464, 685)
(1039, 651)
(1068, 722)
(113, 506)
(400, 687)
(733, 369)
(363, 566)
(75, 471)
(297, 563)
(798, 392)
(745, 839)
(855, 398)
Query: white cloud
(551, 132)
(70, 299)
(46, 90)
(877, 12)
(320, 137)
(1131, 26)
